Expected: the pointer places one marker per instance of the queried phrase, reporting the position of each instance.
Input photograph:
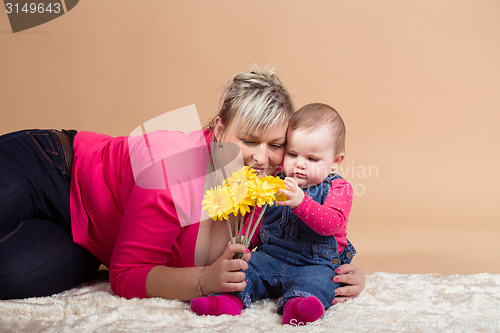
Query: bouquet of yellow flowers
(236, 195)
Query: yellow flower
(241, 191)
(250, 173)
(281, 197)
(239, 195)
(243, 175)
(277, 184)
(261, 191)
(217, 203)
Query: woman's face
(261, 151)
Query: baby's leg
(301, 311)
(217, 305)
(232, 304)
(309, 291)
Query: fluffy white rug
(390, 302)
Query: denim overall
(293, 260)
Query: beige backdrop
(417, 83)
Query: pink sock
(302, 310)
(217, 305)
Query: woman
(152, 238)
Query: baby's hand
(293, 192)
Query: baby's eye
(312, 159)
(292, 154)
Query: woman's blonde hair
(254, 100)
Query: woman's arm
(173, 283)
(353, 277)
(148, 234)
(224, 275)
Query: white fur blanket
(390, 302)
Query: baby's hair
(255, 100)
(313, 115)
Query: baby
(303, 240)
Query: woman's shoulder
(160, 145)
(166, 142)
(181, 156)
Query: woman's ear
(218, 128)
(337, 161)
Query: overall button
(335, 261)
(275, 281)
(348, 255)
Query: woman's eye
(248, 142)
(276, 146)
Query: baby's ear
(337, 161)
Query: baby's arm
(326, 219)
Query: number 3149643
(33, 8)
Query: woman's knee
(40, 259)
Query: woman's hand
(353, 277)
(225, 274)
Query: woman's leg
(39, 258)
(34, 180)
(37, 255)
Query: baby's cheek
(320, 173)
(287, 166)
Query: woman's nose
(260, 154)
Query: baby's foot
(302, 311)
(217, 305)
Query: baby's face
(309, 155)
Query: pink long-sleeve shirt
(329, 218)
(136, 202)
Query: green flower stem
(230, 231)
(244, 240)
(238, 232)
(242, 220)
(247, 241)
(236, 228)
